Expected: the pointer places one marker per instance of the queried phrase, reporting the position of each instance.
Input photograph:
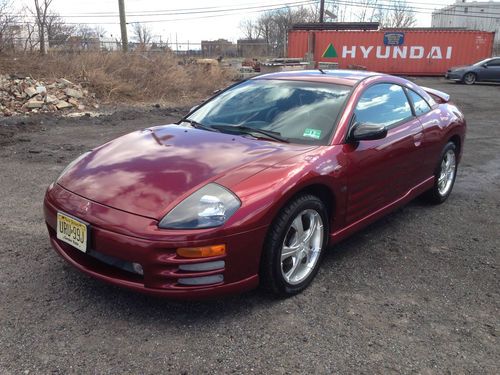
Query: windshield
(298, 111)
(482, 62)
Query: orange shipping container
(412, 52)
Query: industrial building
(475, 15)
(220, 47)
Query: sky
(173, 23)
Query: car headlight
(72, 164)
(210, 206)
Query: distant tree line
(37, 27)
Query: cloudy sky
(194, 20)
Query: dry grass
(119, 77)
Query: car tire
(294, 246)
(469, 78)
(445, 175)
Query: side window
(495, 63)
(419, 103)
(383, 104)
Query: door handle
(417, 139)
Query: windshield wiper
(197, 125)
(248, 130)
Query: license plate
(72, 231)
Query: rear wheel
(295, 245)
(469, 78)
(444, 176)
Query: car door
(492, 70)
(383, 170)
(432, 145)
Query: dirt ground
(417, 292)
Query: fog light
(138, 268)
(201, 252)
(204, 280)
(200, 267)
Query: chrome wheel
(302, 246)
(470, 78)
(447, 173)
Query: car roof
(337, 76)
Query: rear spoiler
(439, 96)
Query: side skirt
(374, 216)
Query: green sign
(312, 133)
(330, 52)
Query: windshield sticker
(312, 133)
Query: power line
(420, 10)
(188, 11)
(412, 7)
(382, 5)
(158, 11)
(223, 15)
(230, 12)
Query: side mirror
(367, 132)
(485, 65)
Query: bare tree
(399, 15)
(27, 36)
(368, 11)
(100, 31)
(249, 29)
(41, 12)
(8, 32)
(273, 26)
(86, 38)
(142, 34)
(58, 32)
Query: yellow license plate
(72, 231)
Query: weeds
(124, 77)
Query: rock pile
(22, 95)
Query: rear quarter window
(419, 104)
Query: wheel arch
(457, 141)
(318, 188)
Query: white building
(19, 38)
(473, 15)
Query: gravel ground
(417, 292)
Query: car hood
(461, 67)
(148, 172)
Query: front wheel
(444, 176)
(294, 246)
(469, 78)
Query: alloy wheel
(447, 173)
(302, 246)
(470, 78)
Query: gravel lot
(417, 292)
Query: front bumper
(452, 76)
(115, 235)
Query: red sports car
(253, 185)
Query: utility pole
(123, 25)
(321, 10)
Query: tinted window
(383, 104)
(302, 112)
(419, 103)
(495, 62)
